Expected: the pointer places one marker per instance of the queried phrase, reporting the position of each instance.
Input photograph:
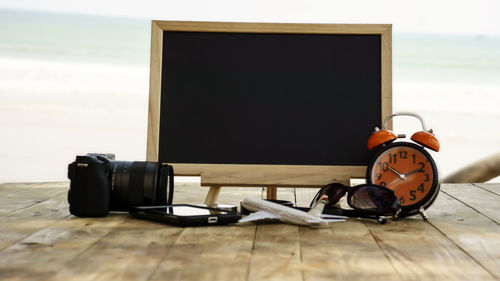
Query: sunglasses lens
(372, 197)
(334, 193)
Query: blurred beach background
(75, 81)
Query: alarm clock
(405, 167)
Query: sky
(479, 17)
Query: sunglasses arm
(354, 214)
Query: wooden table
(40, 240)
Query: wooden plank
(481, 200)
(130, 251)
(26, 198)
(386, 77)
(276, 253)
(155, 70)
(476, 234)
(269, 175)
(420, 252)
(9, 190)
(41, 255)
(272, 27)
(492, 187)
(460, 242)
(25, 185)
(343, 251)
(19, 224)
(208, 253)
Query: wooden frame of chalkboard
(273, 174)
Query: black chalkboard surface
(295, 99)
(267, 95)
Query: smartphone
(186, 215)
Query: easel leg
(212, 195)
(272, 192)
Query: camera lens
(136, 184)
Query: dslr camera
(100, 184)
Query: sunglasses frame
(350, 192)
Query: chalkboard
(267, 94)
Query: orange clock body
(410, 171)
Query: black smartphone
(186, 215)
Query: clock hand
(401, 176)
(411, 172)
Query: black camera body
(100, 184)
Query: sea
(72, 84)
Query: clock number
(413, 156)
(426, 177)
(402, 199)
(412, 195)
(421, 169)
(382, 183)
(378, 175)
(421, 188)
(384, 167)
(403, 154)
(392, 157)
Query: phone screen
(184, 211)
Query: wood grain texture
(493, 188)
(154, 92)
(271, 192)
(269, 175)
(276, 253)
(26, 198)
(10, 188)
(212, 195)
(208, 253)
(475, 233)
(43, 254)
(249, 27)
(21, 223)
(419, 252)
(344, 251)
(483, 201)
(461, 241)
(31, 185)
(7, 191)
(386, 79)
(131, 251)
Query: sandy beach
(55, 104)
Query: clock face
(407, 170)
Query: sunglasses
(366, 200)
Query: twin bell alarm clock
(405, 167)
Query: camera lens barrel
(150, 181)
(119, 179)
(136, 184)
